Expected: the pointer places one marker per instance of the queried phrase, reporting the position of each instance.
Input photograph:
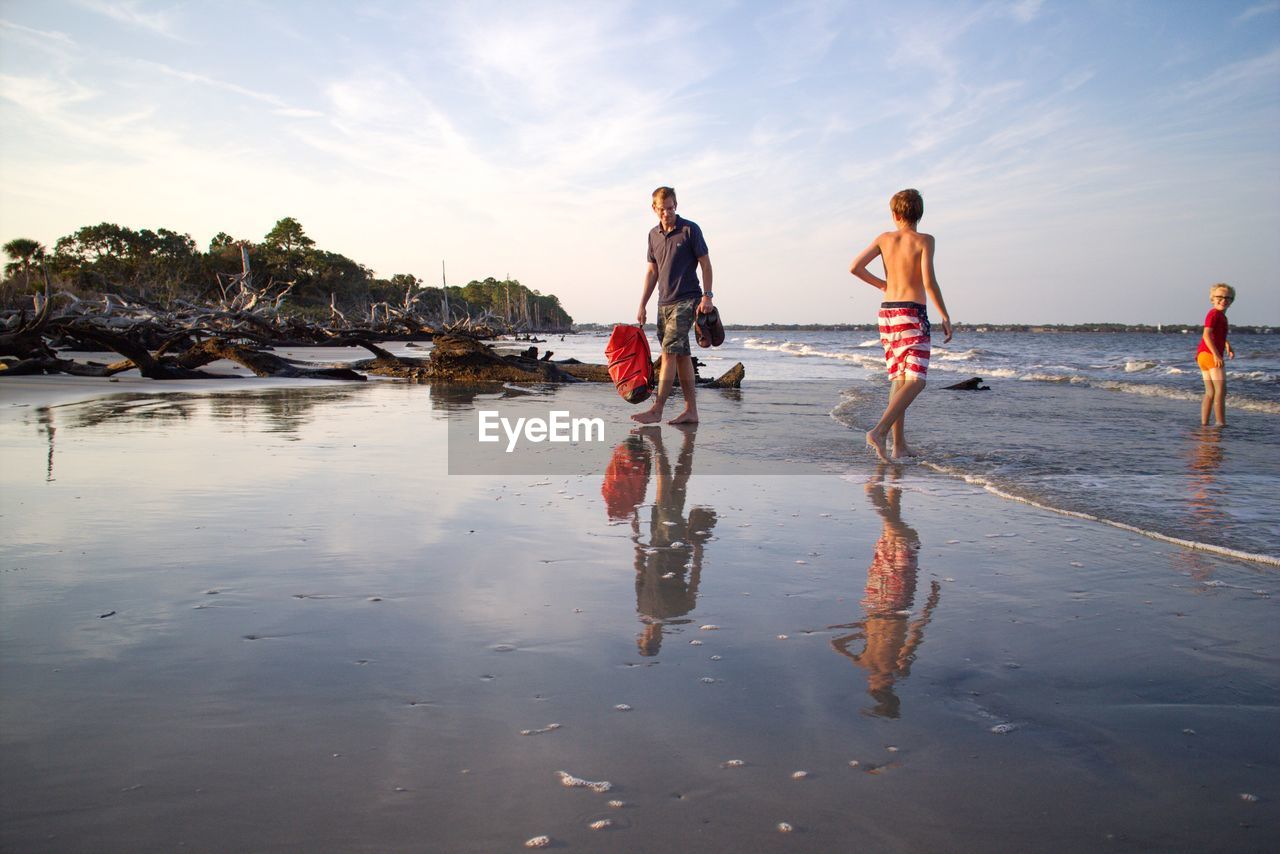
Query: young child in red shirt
(1209, 355)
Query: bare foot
(876, 443)
(689, 416)
(901, 451)
(652, 415)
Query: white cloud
(1236, 79)
(50, 40)
(1026, 11)
(132, 13)
(43, 96)
(1254, 11)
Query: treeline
(162, 266)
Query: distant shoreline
(1155, 329)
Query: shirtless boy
(677, 251)
(904, 321)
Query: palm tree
(23, 250)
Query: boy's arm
(650, 279)
(859, 266)
(931, 285)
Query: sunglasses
(1223, 299)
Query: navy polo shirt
(676, 255)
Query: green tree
(287, 237)
(221, 240)
(95, 256)
(23, 250)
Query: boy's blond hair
(661, 194)
(1223, 286)
(907, 205)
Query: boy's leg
(1206, 403)
(898, 430)
(684, 364)
(1219, 377)
(904, 335)
(899, 400)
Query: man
(676, 251)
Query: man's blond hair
(1223, 286)
(907, 205)
(661, 194)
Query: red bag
(630, 365)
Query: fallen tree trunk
(163, 368)
(262, 363)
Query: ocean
(1104, 425)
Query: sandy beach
(265, 616)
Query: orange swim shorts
(1205, 360)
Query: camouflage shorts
(674, 322)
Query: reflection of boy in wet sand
(669, 566)
(1206, 496)
(890, 639)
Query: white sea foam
(991, 487)
(1037, 377)
(793, 348)
(1133, 366)
(1254, 376)
(1234, 401)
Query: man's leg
(688, 384)
(899, 400)
(666, 379)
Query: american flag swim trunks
(904, 334)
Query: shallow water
(271, 620)
(1102, 424)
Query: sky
(1080, 161)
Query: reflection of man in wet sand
(890, 637)
(669, 566)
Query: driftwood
(731, 378)
(262, 363)
(974, 384)
(243, 328)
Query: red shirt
(1216, 322)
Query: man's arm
(650, 279)
(859, 266)
(931, 285)
(704, 264)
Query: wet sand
(267, 618)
